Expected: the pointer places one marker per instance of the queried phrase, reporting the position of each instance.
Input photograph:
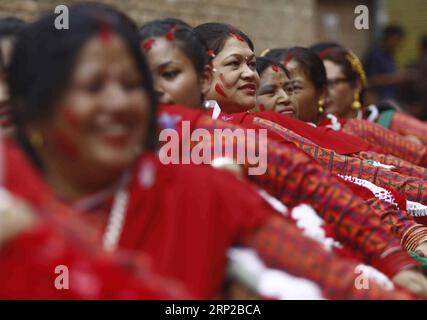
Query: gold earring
(356, 105)
(321, 104)
(37, 140)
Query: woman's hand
(227, 164)
(421, 250)
(413, 281)
(15, 216)
(414, 139)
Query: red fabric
(294, 178)
(21, 178)
(324, 137)
(176, 221)
(366, 194)
(399, 197)
(28, 263)
(184, 245)
(327, 138)
(406, 124)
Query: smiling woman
(85, 119)
(82, 123)
(235, 79)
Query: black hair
(310, 62)
(339, 55)
(184, 36)
(10, 26)
(322, 46)
(276, 54)
(263, 63)
(393, 30)
(216, 34)
(44, 57)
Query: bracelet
(405, 235)
(414, 242)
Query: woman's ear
(206, 79)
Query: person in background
(380, 65)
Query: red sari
(294, 178)
(183, 218)
(185, 221)
(387, 141)
(28, 261)
(406, 124)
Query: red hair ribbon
(275, 68)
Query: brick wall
(270, 23)
(335, 22)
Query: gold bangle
(403, 240)
(411, 240)
(414, 238)
(414, 242)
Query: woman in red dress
(88, 124)
(168, 49)
(345, 99)
(309, 77)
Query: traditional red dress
(406, 124)
(29, 260)
(405, 178)
(294, 178)
(387, 141)
(399, 122)
(183, 218)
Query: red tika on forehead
(262, 107)
(287, 59)
(275, 68)
(237, 36)
(323, 53)
(148, 44)
(104, 30)
(170, 35)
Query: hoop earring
(356, 105)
